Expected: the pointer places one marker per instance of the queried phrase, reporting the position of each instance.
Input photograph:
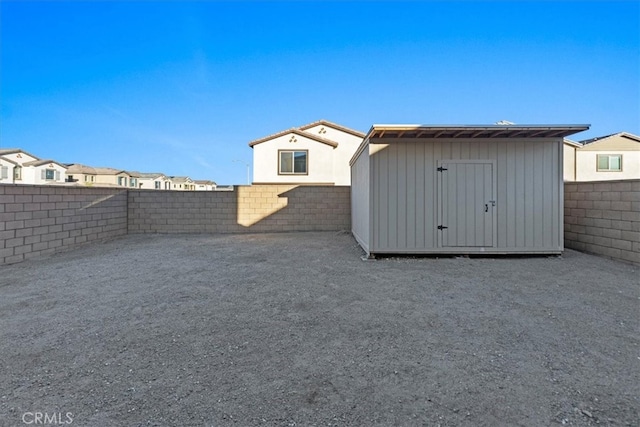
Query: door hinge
(442, 227)
(440, 169)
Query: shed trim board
(404, 201)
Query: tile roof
(333, 125)
(295, 131)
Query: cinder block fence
(39, 220)
(254, 209)
(600, 217)
(603, 218)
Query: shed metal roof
(382, 131)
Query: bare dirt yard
(297, 330)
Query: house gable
(622, 141)
(18, 156)
(294, 132)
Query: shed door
(466, 203)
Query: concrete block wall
(247, 209)
(39, 220)
(603, 218)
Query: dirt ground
(297, 330)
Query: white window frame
(609, 157)
(306, 152)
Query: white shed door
(466, 203)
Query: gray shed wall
(360, 211)
(405, 189)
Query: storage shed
(422, 189)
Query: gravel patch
(297, 330)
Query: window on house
(133, 182)
(70, 178)
(293, 162)
(4, 172)
(122, 180)
(17, 173)
(157, 185)
(49, 174)
(609, 163)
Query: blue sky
(181, 88)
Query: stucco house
(182, 183)
(204, 185)
(41, 172)
(81, 174)
(610, 157)
(29, 169)
(110, 177)
(316, 153)
(569, 159)
(13, 160)
(7, 168)
(153, 181)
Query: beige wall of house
(6, 171)
(609, 158)
(347, 146)
(329, 148)
(320, 159)
(587, 165)
(44, 174)
(569, 162)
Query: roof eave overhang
(295, 132)
(384, 133)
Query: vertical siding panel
(489, 223)
(558, 191)
(420, 190)
(382, 167)
(411, 185)
(519, 196)
(528, 194)
(392, 207)
(480, 195)
(538, 192)
(464, 150)
(547, 183)
(461, 210)
(472, 151)
(510, 178)
(501, 197)
(431, 157)
(401, 211)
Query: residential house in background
(81, 174)
(7, 171)
(610, 157)
(182, 183)
(110, 177)
(317, 153)
(569, 159)
(19, 167)
(153, 181)
(41, 172)
(13, 160)
(204, 185)
(29, 169)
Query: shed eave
(394, 132)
